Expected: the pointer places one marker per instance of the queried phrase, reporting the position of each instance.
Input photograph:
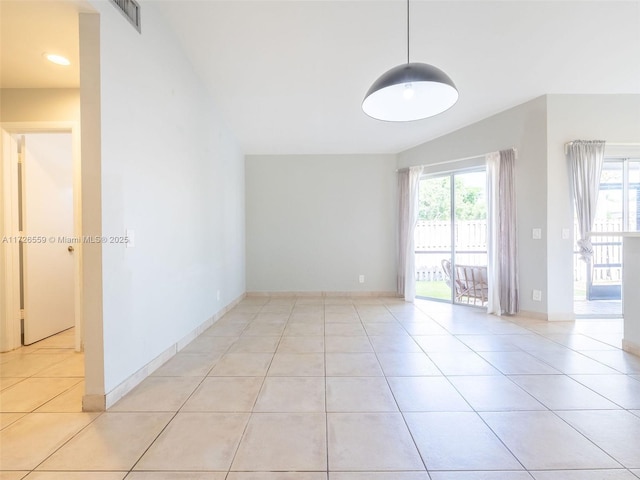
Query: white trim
(111, 398)
(12, 274)
(631, 347)
(614, 234)
(561, 317)
(99, 403)
(324, 294)
(528, 315)
(621, 150)
(10, 327)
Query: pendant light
(410, 91)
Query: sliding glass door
(598, 285)
(451, 238)
(433, 238)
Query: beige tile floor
(340, 389)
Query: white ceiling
(30, 28)
(289, 76)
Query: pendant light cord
(407, 31)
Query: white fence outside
(432, 236)
(433, 244)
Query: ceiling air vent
(131, 10)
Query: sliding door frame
(451, 174)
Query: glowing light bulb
(57, 59)
(408, 92)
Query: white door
(47, 215)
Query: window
(618, 210)
(619, 197)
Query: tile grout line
(404, 420)
(554, 412)
(471, 406)
(377, 354)
(264, 379)
(326, 387)
(132, 468)
(45, 413)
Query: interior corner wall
(173, 177)
(317, 222)
(525, 128)
(613, 118)
(32, 105)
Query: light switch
(536, 234)
(565, 234)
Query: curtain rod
(445, 162)
(606, 144)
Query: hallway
(340, 388)
(47, 376)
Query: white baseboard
(631, 347)
(532, 315)
(99, 403)
(134, 380)
(553, 317)
(93, 403)
(323, 294)
(561, 317)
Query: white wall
(539, 129)
(173, 173)
(613, 118)
(31, 106)
(315, 223)
(523, 127)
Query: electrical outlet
(537, 295)
(361, 279)
(536, 234)
(565, 234)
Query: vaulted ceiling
(289, 76)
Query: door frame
(10, 327)
(451, 174)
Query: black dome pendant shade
(410, 91)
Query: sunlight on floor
(335, 388)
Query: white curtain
(493, 170)
(502, 265)
(585, 166)
(408, 183)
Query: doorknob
(70, 248)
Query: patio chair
(471, 284)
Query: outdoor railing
(433, 235)
(433, 244)
(607, 254)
